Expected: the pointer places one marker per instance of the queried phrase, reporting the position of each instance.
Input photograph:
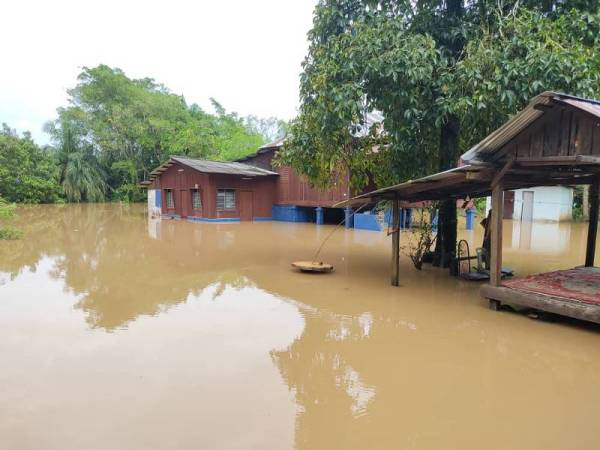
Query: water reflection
(547, 237)
(168, 334)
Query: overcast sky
(244, 53)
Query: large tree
(123, 128)
(443, 73)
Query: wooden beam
(395, 242)
(496, 234)
(590, 251)
(559, 160)
(498, 177)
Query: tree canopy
(27, 172)
(444, 73)
(399, 58)
(113, 133)
(117, 129)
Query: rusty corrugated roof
(223, 167)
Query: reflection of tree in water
(104, 255)
(326, 384)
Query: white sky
(244, 53)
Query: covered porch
(554, 141)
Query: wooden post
(395, 242)
(590, 251)
(585, 204)
(496, 234)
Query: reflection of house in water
(543, 237)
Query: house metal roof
(275, 144)
(206, 166)
(223, 167)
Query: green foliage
(270, 128)
(421, 239)
(7, 211)
(117, 129)
(479, 204)
(80, 174)
(231, 135)
(27, 172)
(431, 68)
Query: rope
(333, 231)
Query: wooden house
(249, 189)
(211, 191)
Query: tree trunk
(448, 153)
(448, 150)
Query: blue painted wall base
(470, 213)
(320, 215)
(366, 221)
(349, 218)
(290, 213)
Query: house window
(225, 199)
(196, 199)
(170, 200)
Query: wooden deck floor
(572, 293)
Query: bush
(419, 246)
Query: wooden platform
(572, 293)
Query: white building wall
(153, 209)
(550, 203)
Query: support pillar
(590, 251)
(496, 234)
(470, 218)
(320, 215)
(395, 243)
(348, 218)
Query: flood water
(120, 333)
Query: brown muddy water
(120, 333)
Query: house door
(527, 211)
(509, 204)
(246, 205)
(184, 203)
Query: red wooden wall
(182, 179)
(294, 189)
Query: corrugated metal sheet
(275, 144)
(585, 105)
(228, 168)
(402, 189)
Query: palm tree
(80, 174)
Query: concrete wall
(550, 203)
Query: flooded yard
(117, 332)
